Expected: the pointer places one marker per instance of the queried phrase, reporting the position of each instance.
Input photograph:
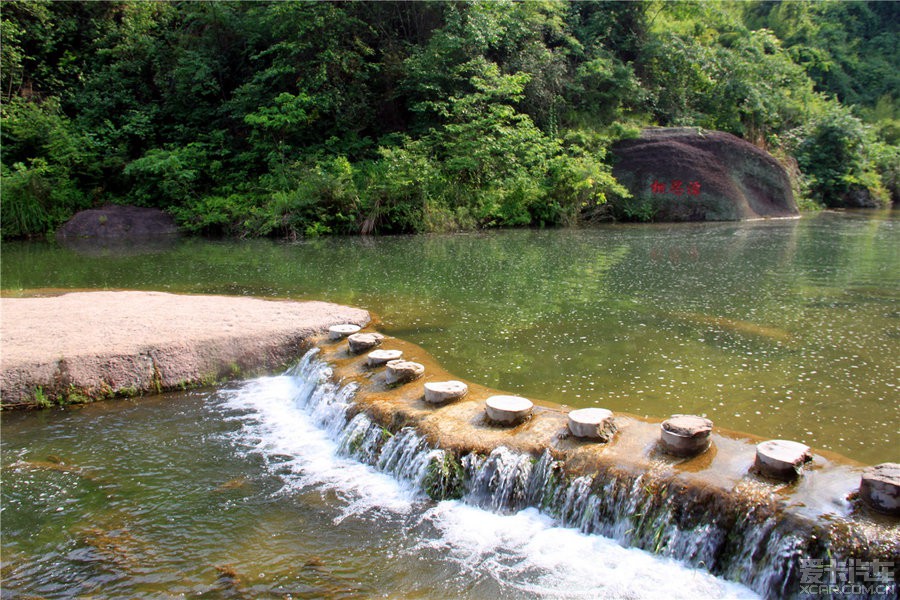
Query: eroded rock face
(118, 222)
(688, 174)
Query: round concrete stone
(360, 342)
(439, 392)
(592, 423)
(685, 435)
(402, 371)
(781, 459)
(880, 488)
(337, 332)
(508, 409)
(376, 358)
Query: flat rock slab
(106, 343)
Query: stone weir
(802, 537)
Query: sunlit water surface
(784, 329)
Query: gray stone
(402, 371)
(337, 332)
(781, 459)
(508, 409)
(685, 435)
(439, 392)
(880, 488)
(592, 423)
(376, 358)
(360, 342)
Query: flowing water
(268, 490)
(784, 329)
(265, 489)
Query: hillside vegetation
(299, 119)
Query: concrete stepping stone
(360, 342)
(337, 332)
(440, 392)
(376, 358)
(781, 459)
(402, 371)
(880, 488)
(685, 435)
(508, 409)
(592, 423)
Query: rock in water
(440, 392)
(402, 371)
(115, 221)
(880, 488)
(592, 423)
(688, 174)
(508, 410)
(376, 358)
(685, 435)
(337, 332)
(360, 342)
(781, 459)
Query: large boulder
(115, 221)
(688, 174)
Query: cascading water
(333, 446)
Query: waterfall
(749, 544)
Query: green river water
(783, 329)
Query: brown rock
(689, 174)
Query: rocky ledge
(83, 346)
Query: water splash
(305, 425)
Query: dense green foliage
(297, 119)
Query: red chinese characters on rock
(676, 187)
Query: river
(784, 328)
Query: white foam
(526, 552)
(274, 425)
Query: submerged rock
(688, 174)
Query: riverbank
(84, 346)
